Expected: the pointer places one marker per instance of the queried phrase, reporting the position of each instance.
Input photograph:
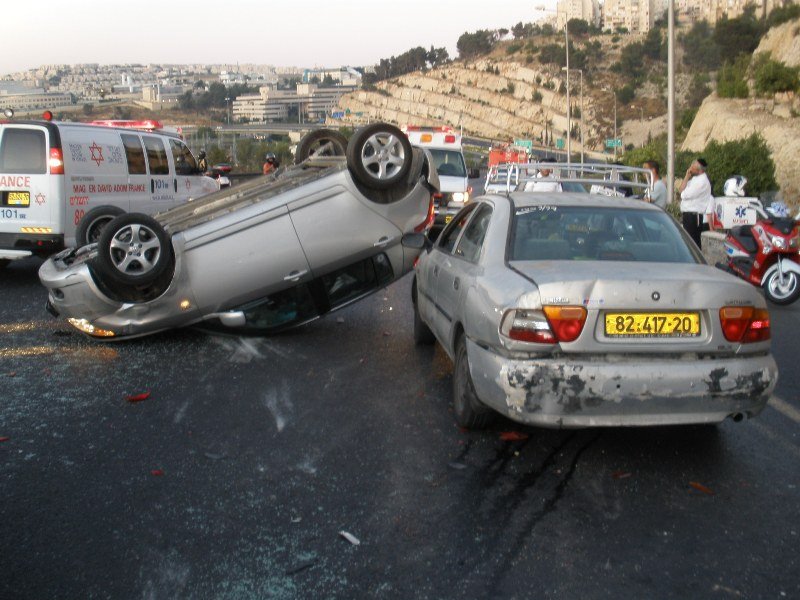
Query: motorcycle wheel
(785, 293)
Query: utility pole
(569, 105)
(671, 102)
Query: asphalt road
(235, 477)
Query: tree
(653, 46)
(731, 78)
(471, 45)
(186, 101)
(738, 36)
(578, 27)
(87, 109)
(700, 51)
(625, 94)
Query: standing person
(658, 193)
(270, 164)
(697, 203)
(202, 163)
(545, 180)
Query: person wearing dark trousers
(697, 203)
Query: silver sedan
(271, 254)
(577, 310)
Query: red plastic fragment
(621, 474)
(157, 472)
(513, 436)
(701, 488)
(4, 439)
(138, 397)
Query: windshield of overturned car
(545, 232)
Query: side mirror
(416, 241)
(234, 318)
(474, 173)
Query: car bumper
(74, 294)
(634, 392)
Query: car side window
(184, 161)
(134, 154)
(156, 156)
(447, 241)
(470, 244)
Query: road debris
(138, 397)
(701, 488)
(458, 466)
(340, 320)
(295, 519)
(350, 538)
(213, 456)
(621, 474)
(4, 438)
(513, 436)
(157, 472)
(302, 567)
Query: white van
(444, 145)
(60, 183)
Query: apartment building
(587, 10)
(691, 11)
(635, 16)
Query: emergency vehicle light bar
(146, 124)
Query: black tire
(134, 250)
(423, 336)
(782, 295)
(379, 156)
(322, 142)
(469, 411)
(93, 222)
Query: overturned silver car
(276, 252)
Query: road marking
(786, 409)
(766, 431)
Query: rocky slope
(490, 98)
(783, 43)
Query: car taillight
(56, 161)
(550, 325)
(426, 224)
(449, 139)
(744, 324)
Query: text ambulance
(444, 145)
(60, 183)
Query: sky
(284, 33)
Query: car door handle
(295, 275)
(152, 186)
(456, 283)
(382, 242)
(175, 181)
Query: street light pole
(569, 104)
(671, 102)
(615, 124)
(581, 104)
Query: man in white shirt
(697, 203)
(545, 182)
(658, 193)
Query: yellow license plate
(652, 325)
(448, 218)
(18, 199)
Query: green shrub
(772, 76)
(731, 78)
(537, 96)
(513, 48)
(749, 157)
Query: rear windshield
(23, 151)
(449, 163)
(584, 233)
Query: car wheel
(469, 411)
(423, 336)
(134, 250)
(379, 156)
(782, 293)
(322, 142)
(93, 222)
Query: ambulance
(444, 145)
(60, 183)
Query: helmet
(270, 157)
(202, 154)
(778, 209)
(735, 186)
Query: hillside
(507, 94)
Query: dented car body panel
(599, 378)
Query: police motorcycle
(766, 252)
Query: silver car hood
(599, 284)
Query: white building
(636, 16)
(33, 100)
(270, 104)
(587, 10)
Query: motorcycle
(766, 255)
